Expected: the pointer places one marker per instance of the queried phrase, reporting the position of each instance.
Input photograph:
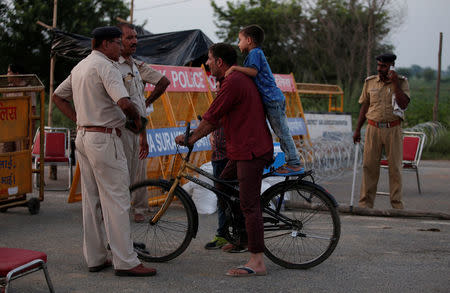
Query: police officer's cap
(106, 32)
(386, 58)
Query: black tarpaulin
(174, 48)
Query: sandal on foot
(249, 272)
(287, 170)
(231, 248)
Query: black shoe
(106, 264)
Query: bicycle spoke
(171, 234)
(304, 234)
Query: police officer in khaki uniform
(135, 74)
(383, 99)
(101, 105)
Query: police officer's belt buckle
(384, 124)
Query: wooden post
(131, 11)
(369, 37)
(52, 69)
(53, 169)
(438, 81)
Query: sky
(416, 39)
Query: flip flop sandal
(238, 249)
(249, 272)
(289, 171)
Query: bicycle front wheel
(171, 235)
(301, 224)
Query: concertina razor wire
(330, 157)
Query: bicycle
(301, 222)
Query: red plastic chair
(16, 263)
(56, 149)
(413, 143)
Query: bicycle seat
(299, 175)
(277, 162)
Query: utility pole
(438, 81)
(52, 69)
(131, 11)
(53, 169)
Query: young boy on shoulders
(256, 66)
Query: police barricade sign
(182, 79)
(161, 142)
(297, 126)
(187, 96)
(329, 124)
(13, 166)
(14, 114)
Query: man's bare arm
(130, 111)
(250, 71)
(361, 120)
(143, 145)
(400, 97)
(202, 130)
(160, 88)
(65, 107)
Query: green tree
(323, 42)
(275, 18)
(24, 41)
(335, 38)
(429, 74)
(405, 71)
(416, 71)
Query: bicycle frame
(182, 174)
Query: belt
(100, 129)
(384, 124)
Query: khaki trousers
(106, 199)
(375, 140)
(137, 170)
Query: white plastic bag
(204, 199)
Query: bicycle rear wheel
(301, 224)
(171, 235)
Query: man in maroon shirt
(239, 110)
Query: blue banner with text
(161, 142)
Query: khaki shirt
(379, 95)
(95, 85)
(135, 74)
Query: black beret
(386, 58)
(106, 32)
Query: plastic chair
(413, 143)
(16, 263)
(56, 149)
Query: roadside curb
(357, 211)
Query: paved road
(375, 254)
